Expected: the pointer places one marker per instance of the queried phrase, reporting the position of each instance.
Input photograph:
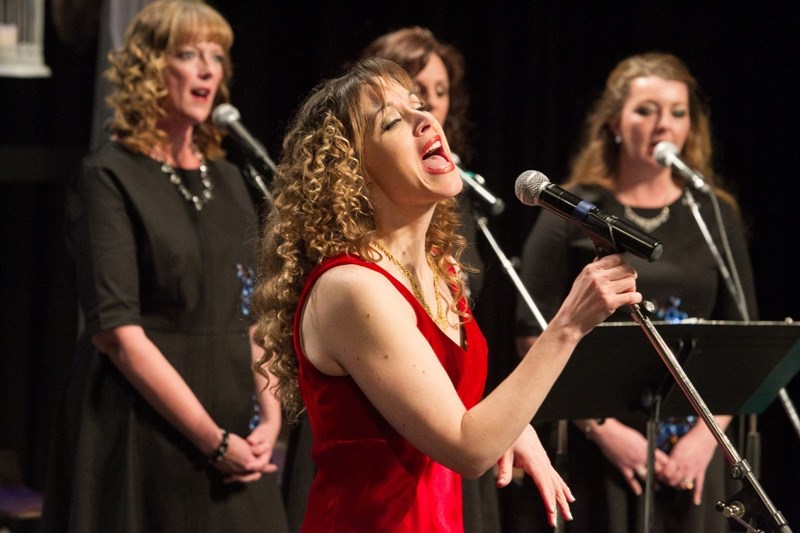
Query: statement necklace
(199, 200)
(647, 224)
(441, 318)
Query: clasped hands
(684, 468)
(247, 459)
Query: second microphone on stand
(474, 183)
(226, 117)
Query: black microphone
(668, 155)
(609, 233)
(226, 117)
(475, 183)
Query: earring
(617, 139)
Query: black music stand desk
(736, 367)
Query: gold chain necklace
(441, 318)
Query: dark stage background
(533, 67)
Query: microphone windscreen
(224, 115)
(529, 186)
(663, 152)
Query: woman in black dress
(166, 427)
(648, 98)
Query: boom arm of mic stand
(509, 268)
(738, 295)
(740, 468)
(255, 175)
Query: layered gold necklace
(441, 316)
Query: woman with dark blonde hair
(648, 99)
(438, 72)
(161, 429)
(363, 321)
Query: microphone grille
(223, 115)
(529, 186)
(663, 152)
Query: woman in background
(160, 432)
(648, 98)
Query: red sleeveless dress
(369, 478)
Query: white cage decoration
(22, 39)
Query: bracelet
(222, 449)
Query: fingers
(269, 468)
(563, 498)
(262, 464)
(242, 478)
(634, 484)
(617, 280)
(261, 448)
(615, 268)
(504, 468)
(698, 490)
(556, 496)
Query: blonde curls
(322, 209)
(136, 72)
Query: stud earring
(617, 139)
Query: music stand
(738, 368)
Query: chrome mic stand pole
(258, 180)
(734, 287)
(740, 468)
(511, 271)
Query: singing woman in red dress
(362, 315)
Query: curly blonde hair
(597, 160)
(136, 72)
(322, 209)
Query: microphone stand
(735, 288)
(755, 502)
(258, 180)
(752, 502)
(480, 220)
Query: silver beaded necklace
(199, 200)
(647, 224)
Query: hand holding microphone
(611, 234)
